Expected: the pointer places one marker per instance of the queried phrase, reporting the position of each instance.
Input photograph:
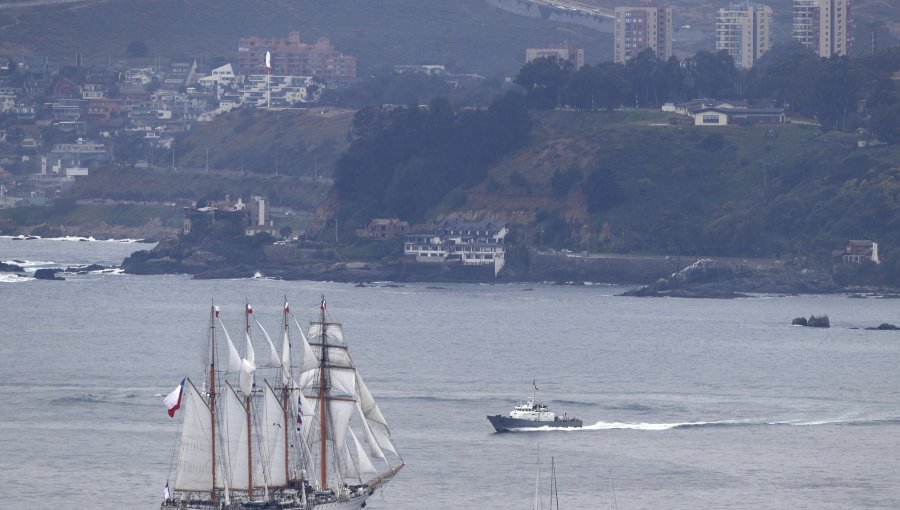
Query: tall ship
(278, 434)
(531, 414)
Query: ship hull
(506, 424)
(355, 503)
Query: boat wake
(652, 427)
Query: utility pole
(207, 160)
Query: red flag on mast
(268, 62)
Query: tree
(543, 80)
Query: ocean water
(700, 404)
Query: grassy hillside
(475, 36)
(626, 181)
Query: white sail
(194, 469)
(374, 449)
(274, 359)
(248, 367)
(307, 413)
(338, 421)
(234, 359)
(272, 461)
(235, 447)
(341, 411)
(343, 382)
(307, 378)
(246, 379)
(369, 407)
(333, 332)
(363, 461)
(350, 470)
(309, 361)
(377, 424)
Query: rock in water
(799, 321)
(818, 321)
(47, 274)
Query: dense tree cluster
(789, 76)
(404, 160)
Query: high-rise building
(823, 26)
(639, 28)
(290, 57)
(744, 30)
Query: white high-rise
(640, 28)
(823, 26)
(744, 30)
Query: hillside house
(858, 251)
(457, 241)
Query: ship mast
(213, 313)
(285, 395)
(323, 381)
(247, 312)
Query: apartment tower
(639, 28)
(823, 26)
(744, 30)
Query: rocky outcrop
(47, 274)
(707, 278)
(10, 268)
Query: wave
(14, 278)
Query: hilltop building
(453, 240)
(639, 28)
(823, 26)
(744, 30)
(290, 57)
(562, 53)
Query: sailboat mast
(247, 312)
(285, 395)
(323, 379)
(212, 395)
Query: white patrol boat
(530, 414)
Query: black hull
(505, 423)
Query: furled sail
(233, 431)
(194, 469)
(272, 462)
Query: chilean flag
(323, 306)
(173, 400)
(268, 62)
